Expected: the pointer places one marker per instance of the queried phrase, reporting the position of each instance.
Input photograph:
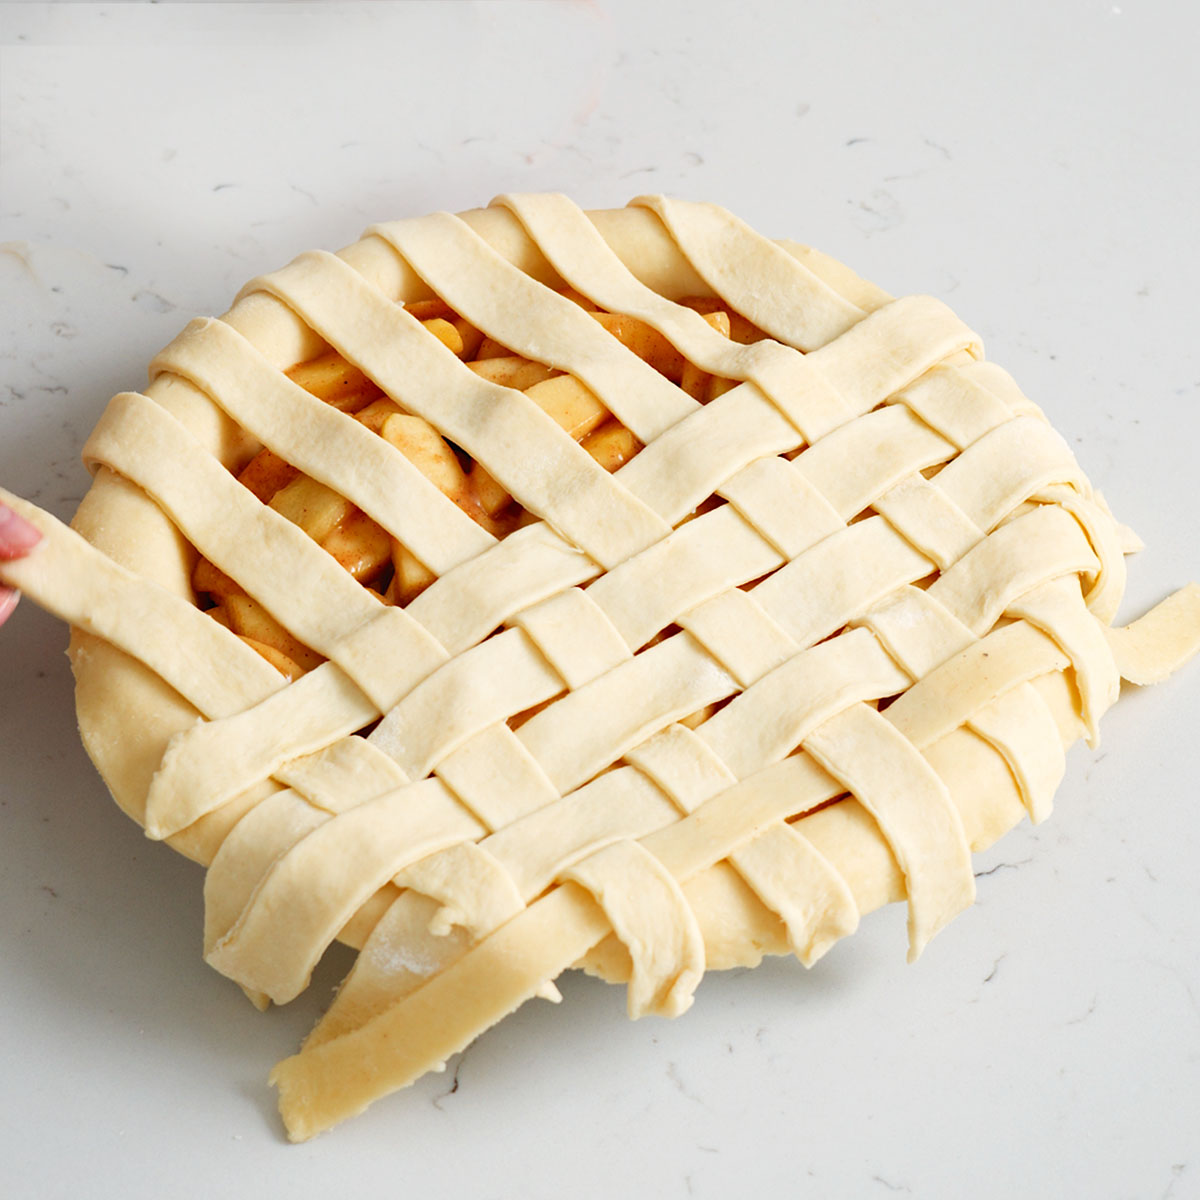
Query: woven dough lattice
(827, 630)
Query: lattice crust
(820, 638)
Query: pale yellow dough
(897, 523)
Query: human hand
(17, 537)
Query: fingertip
(8, 601)
(17, 535)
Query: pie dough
(867, 562)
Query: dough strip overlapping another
(826, 632)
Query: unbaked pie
(534, 588)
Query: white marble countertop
(1036, 165)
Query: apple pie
(532, 588)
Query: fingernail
(8, 601)
(16, 534)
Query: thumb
(17, 536)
